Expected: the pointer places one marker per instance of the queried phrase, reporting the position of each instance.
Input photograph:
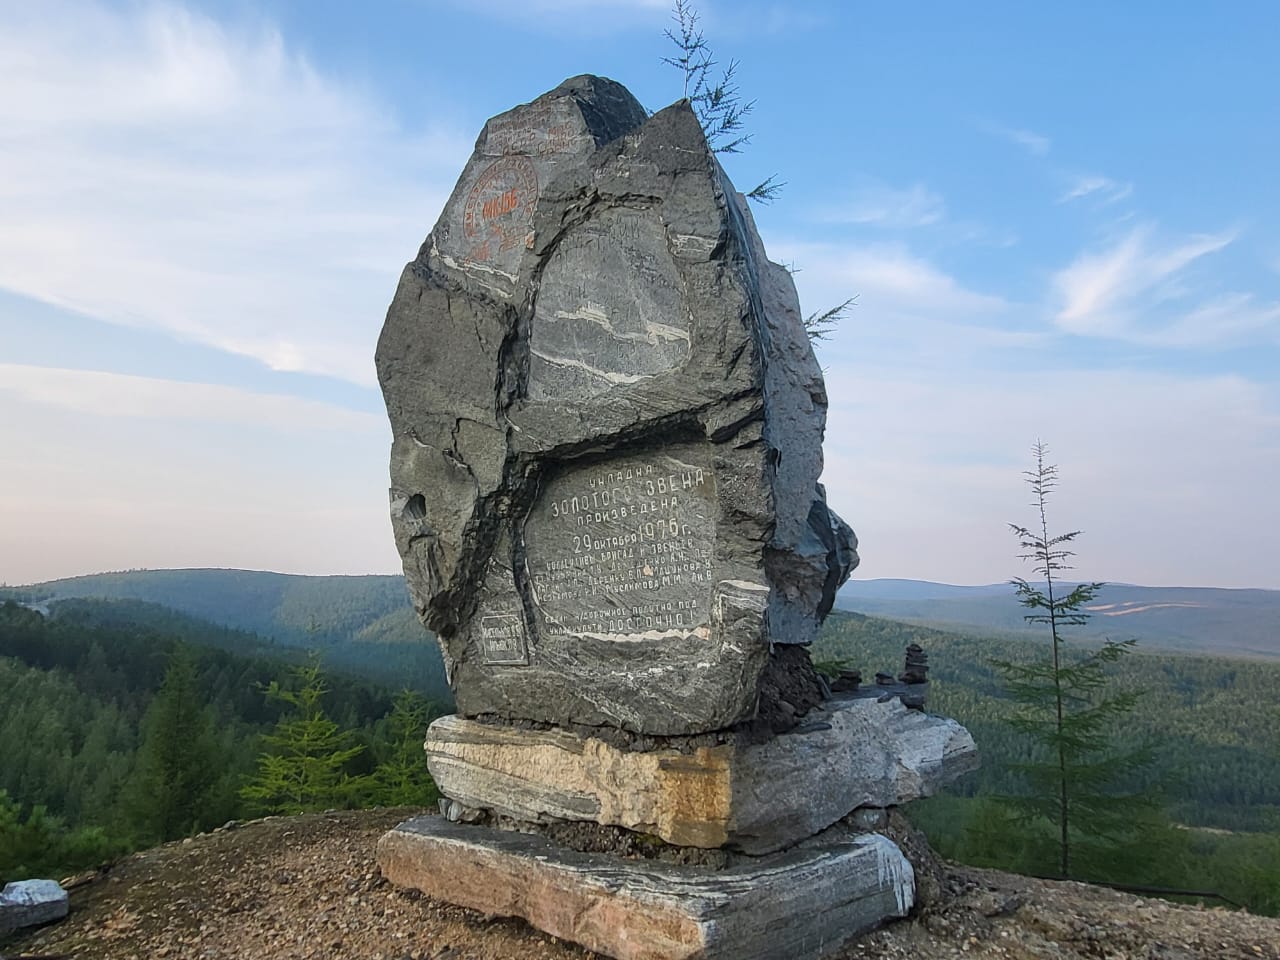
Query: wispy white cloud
(116, 472)
(878, 204)
(885, 273)
(159, 169)
(1231, 317)
(1142, 289)
(893, 274)
(1036, 144)
(927, 470)
(603, 13)
(770, 19)
(1102, 189)
(896, 289)
(99, 394)
(907, 306)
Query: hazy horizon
(852, 581)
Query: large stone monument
(607, 424)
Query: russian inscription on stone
(502, 639)
(622, 549)
(498, 215)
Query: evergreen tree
(23, 840)
(39, 844)
(1063, 706)
(402, 778)
(178, 760)
(722, 113)
(715, 100)
(304, 768)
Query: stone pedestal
(797, 904)
(756, 798)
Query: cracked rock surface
(607, 428)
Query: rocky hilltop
(308, 887)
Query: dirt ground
(308, 887)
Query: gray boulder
(607, 424)
(29, 903)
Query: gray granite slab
(800, 904)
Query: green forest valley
(120, 735)
(127, 722)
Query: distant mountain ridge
(288, 608)
(1210, 620)
(361, 624)
(308, 610)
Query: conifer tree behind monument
(1063, 707)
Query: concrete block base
(799, 903)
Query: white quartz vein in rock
(894, 870)
(684, 241)
(653, 331)
(608, 376)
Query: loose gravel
(305, 888)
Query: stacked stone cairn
(607, 423)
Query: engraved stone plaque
(609, 309)
(623, 549)
(540, 129)
(502, 639)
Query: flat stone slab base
(799, 903)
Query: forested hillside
(125, 725)
(360, 624)
(304, 611)
(1212, 722)
(287, 608)
(1212, 726)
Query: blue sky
(1059, 221)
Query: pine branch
(820, 325)
(767, 190)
